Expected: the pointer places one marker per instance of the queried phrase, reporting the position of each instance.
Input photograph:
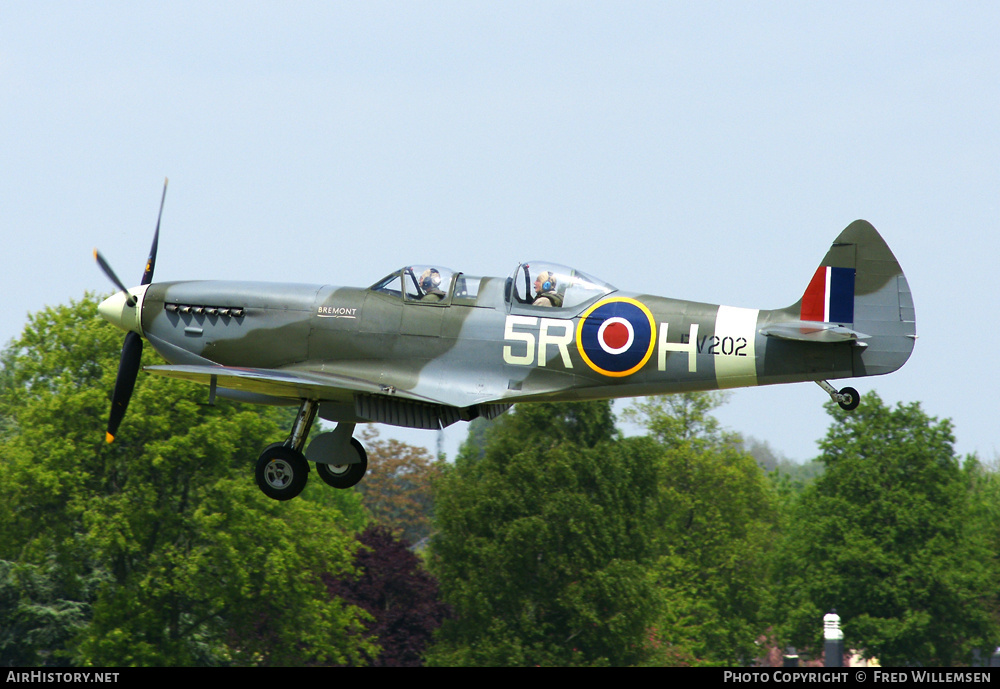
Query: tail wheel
(281, 472)
(345, 475)
(849, 399)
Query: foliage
(716, 524)
(39, 616)
(781, 469)
(397, 487)
(473, 448)
(682, 421)
(767, 457)
(542, 543)
(400, 596)
(194, 565)
(888, 536)
(983, 480)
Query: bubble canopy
(417, 282)
(540, 283)
(533, 284)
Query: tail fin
(859, 286)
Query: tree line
(551, 539)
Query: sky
(703, 151)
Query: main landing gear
(283, 468)
(847, 398)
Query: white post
(833, 640)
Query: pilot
(430, 285)
(545, 290)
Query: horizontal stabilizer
(812, 331)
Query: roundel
(615, 336)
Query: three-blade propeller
(128, 365)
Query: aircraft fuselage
(487, 348)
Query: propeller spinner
(123, 309)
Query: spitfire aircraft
(426, 346)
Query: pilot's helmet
(430, 279)
(547, 281)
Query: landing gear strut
(283, 468)
(847, 398)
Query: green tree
(38, 616)
(474, 446)
(194, 565)
(716, 526)
(542, 544)
(397, 487)
(888, 536)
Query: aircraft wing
(286, 384)
(370, 400)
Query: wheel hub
(278, 473)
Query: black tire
(281, 472)
(854, 399)
(345, 475)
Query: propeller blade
(106, 267)
(131, 357)
(147, 275)
(128, 370)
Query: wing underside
(277, 383)
(371, 401)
